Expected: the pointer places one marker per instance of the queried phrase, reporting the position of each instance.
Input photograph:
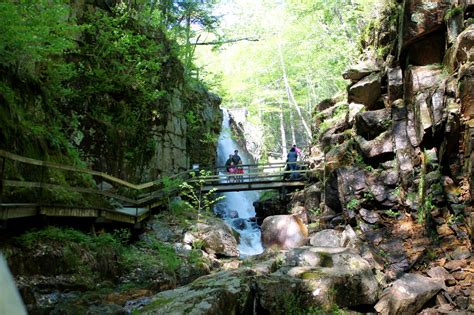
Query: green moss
(311, 275)
(452, 12)
(155, 304)
(326, 260)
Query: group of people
(233, 166)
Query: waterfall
(237, 207)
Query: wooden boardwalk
(137, 200)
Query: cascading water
(237, 207)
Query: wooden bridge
(21, 197)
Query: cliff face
(395, 159)
(111, 92)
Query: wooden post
(2, 177)
(41, 185)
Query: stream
(237, 207)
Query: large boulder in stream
(225, 292)
(217, 237)
(318, 277)
(284, 231)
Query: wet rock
(366, 91)
(370, 124)
(268, 208)
(225, 292)
(239, 223)
(407, 295)
(284, 231)
(327, 238)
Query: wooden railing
(144, 194)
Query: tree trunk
(289, 94)
(282, 131)
(292, 127)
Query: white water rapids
(240, 203)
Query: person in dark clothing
(228, 162)
(291, 159)
(236, 158)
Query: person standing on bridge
(228, 162)
(298, 151)
(236, 158)
(291, 159)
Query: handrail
(139, 200)
(111, 178)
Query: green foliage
(392, 213)
(317, 41)
(353, 204)
(52, 233)
(268, 195)
(452, 12)
(195, 198)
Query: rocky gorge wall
(395, 160)
(128, 108)
(392, 163)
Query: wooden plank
(7, 213)
(252, 186)
(26, 184)
(117, 216)
(69, 212)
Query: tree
(305, 45)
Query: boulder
(312, 196)
(284, 231)
(372, 123)
(217, 237)
(462, 50)
(325, 104)
(378, 147)
(354, 109)
(366, 91)
(318, 277)
(419, 79)
(359, 71)
(326, 238)
(225, 292)
(369, 216)
(408, 294)
(466, 91)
